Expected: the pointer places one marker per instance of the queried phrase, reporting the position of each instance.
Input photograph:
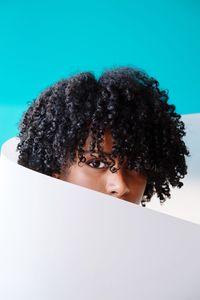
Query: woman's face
(94, 174)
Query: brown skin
(124, 184)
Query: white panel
(61, 241)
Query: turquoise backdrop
(45, 41)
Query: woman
(116, 134)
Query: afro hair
(147, 133)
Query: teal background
(45, 41)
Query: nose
(116, 185)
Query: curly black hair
(146, 131)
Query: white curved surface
(61, 241)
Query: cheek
(137, 188)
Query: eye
(96, 164)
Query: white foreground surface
(61, 241)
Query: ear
(56, 175)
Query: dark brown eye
(96, 164)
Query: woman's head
(123, 109)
